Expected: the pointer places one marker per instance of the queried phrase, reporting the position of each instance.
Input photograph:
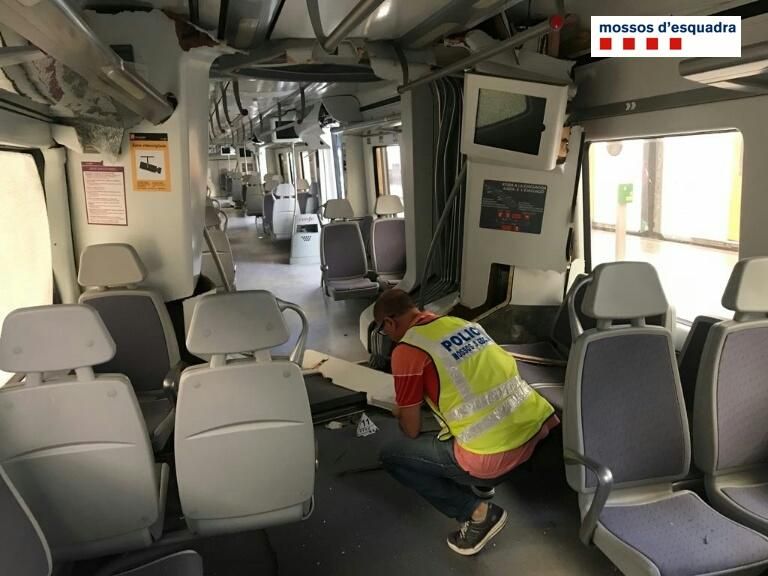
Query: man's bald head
(392, 304)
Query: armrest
(171, 381)
(604, 487)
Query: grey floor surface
(263, 264)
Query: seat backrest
(75, 446)
(230, 408)
(23, 548)
(690, 357)
(269, 208)
(731, 400)
(342, 252)
(623, 402)
(365, 223)
(303, 198)
(136, 317)
(388, 245)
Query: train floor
(263, 264)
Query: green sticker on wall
(625, 193)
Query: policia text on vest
(469, 340)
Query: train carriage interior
(202, 200)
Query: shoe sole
(480, 545)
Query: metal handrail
(603, 491)
(360, 12)
(550, 25)
(297, 354)
(217, 260)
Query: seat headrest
(338, 208)
(270, 185)
(302, 185)
(624, 291)
(212, 217)
(110, 265)
(285, 191)
(57, 337)
(235, 322)
(747, 288)
(388, 205)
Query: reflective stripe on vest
(483, 402)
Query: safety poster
(104, 188)
(513, 206)
(150, 161)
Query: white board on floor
(379, 387)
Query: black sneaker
(472, 536)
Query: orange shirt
(416, 378)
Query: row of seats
(79, 447)
(281, 202)
(24, 549)
(627, 438)
(344, 256)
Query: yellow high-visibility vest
(483, 402)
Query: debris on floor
(366, 427)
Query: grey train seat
(245, 448)
(304, 197)
(75, 445)
(24, 550)
(388, 241)
(254, 195)
(626, 441)
(342, 255)
(283, 211)
(138, 321)
(217, 233)
(731, 405)
(689, 360)
(271, 181)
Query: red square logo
(651, 43)
(628, 44)
(605, 43)
(675, 43)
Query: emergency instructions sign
(666, 36)
(150, 160)
(513, 206)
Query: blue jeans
(428, 466)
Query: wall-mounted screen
(285, 131)
(512, 122)
(509, 121)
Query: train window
(25, 242)
(674, 202)
(386, 164)
(308, 166)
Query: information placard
(513, 206)
(151, 163)
(104, 188)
